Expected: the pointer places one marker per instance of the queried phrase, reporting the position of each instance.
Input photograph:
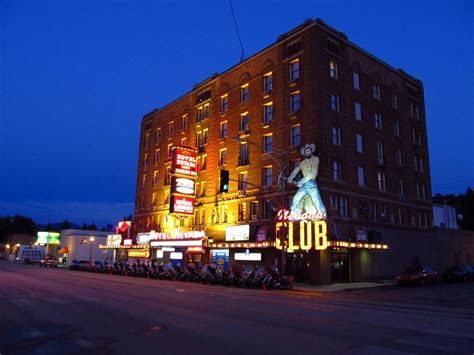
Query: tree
(16, 224)
(65, 225)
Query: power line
(242, 53)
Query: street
(58, 311)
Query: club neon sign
(312, 230)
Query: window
(420, 190)
(294, 70)
(401, 187)
(338, 205)
(202, 192)
(414, 109)
(268, 113)
(184, 123)
(398, 157)
(267, 83)
(337, 170)
(167, 175)
(333, 46)
(170, 128)
(378, 120)
(380, 153)
(396, 128)
(157, 156)
(383, 212)
(244, 93)
(376, 92)
(170, 150)
(267, 141)
(242, 181)
(267, 209)
(399, 216)
(146, 141)
(202, 219)
(267, 176)
(361, 175)
(254, 210)
(395, 101)
(202, 138)
(356, 78)
(184, 141)
(242, 216)
(295, 102)
(358, 111)
(144, 180)
(158, 134)
(224, 103)
(222, 156)
(145, 160)
(295, 137)
(202, 162)
(244, 122)
(419, 163)
(360, 143)
(375, 215)
(224, 213)
(335, 103)
(333, 70)
(153, 199)
(202, 112)
(243, 153)
(416, 135)
(381, 181)
(223, 129)
(336, 136)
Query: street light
(281, 190)
(91, 239)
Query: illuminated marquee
(184, 162)
(182, 204)
(182, 185)
(114, 240)
(307, 231)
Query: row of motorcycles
(246, 277)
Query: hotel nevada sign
(184, 172)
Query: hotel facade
(312, 86)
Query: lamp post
(281, 190)
(91, 239)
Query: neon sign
(309, 232)
(184, 162)
(182, 204)
(286, 215)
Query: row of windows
(413, 107)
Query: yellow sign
(138, 253)
(307, 230)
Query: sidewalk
(339, 287)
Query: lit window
(295, 104)
(184, 123)
(243, 153)
(224, 103)
(268, 113)
(223, 129)
(170, 128)
(155, 177)
(356, 77)
(184, 141)
(361, 175)
(153, 199)
(244, 122)
(244, 93)
(158, 134)
(202, 112)
(295, 136)
(242, 216)
(157, 156)
(242, 180)
(268, 83)
(294, 70)
(335, 103)
(203, 162)
(336, 136)
(143, 180)
(267, 141)
(222, 156)
(358, 111)
(254, 210)
(381, 181)
(333, 70)
(203, 189)
(378, 120)
(337, 170)
(360, 143)
(267, 176)
(376, 92)
(170, 150)
(168, 175)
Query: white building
(84, 245)
(445, 216)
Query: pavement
(339, 287)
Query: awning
(64, 250)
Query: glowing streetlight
(91, 239)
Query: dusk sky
(76, 78)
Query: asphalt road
(56, 311)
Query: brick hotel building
(312, 85)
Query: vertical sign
(184, 172)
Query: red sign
(182, 204)
(194, 250)
(184, 162)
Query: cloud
(101, 213)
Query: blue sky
(76, 78)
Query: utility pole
(283, 205)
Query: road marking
(313, 308)
(179, 290)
